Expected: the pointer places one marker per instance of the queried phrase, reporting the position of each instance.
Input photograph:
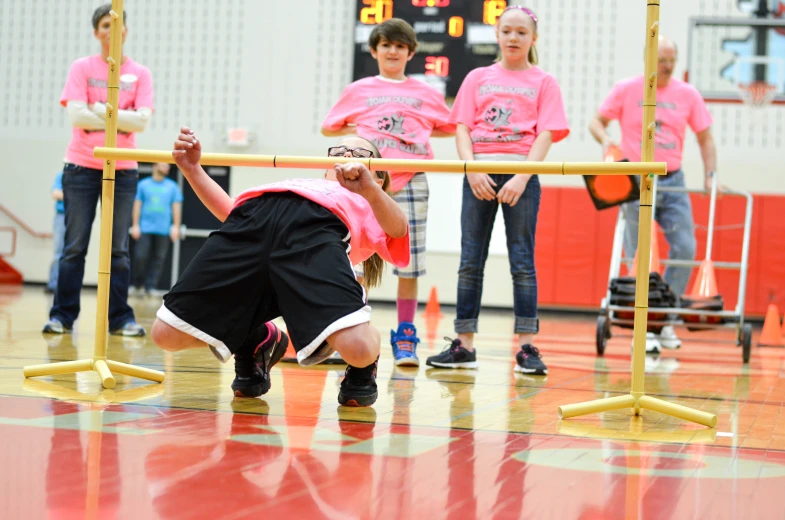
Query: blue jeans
(149, 258)
(674, 214)
(520, 222)
(82, 191)
(58, 237)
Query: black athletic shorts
(276, 255)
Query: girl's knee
(359, 346)
(166, 336)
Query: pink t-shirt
(678, 104)
(398, 117)
(367, 236)
(87, 82)
(507, 109)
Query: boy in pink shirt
(84, 96)
(399, 115)
(679, 105)
(509, 111)
(286, 249)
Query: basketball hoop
(757, 93)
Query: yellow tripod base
(636, 403)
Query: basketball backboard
(727, 55)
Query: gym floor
(483, 443)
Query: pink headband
(525, 10)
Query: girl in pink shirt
(286, 249)
(84, 97)
(509, 111)
(399, 115)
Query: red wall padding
(574, 244)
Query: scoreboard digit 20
(454, 37)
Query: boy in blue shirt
(58, 233)
(155, 222)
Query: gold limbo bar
(291, 161)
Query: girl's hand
(482, 185)
(187, 150)
(356, 178)
(512, 190)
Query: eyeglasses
(340, 151)
(525, 10)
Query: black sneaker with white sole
(530, 361)
(252, 367)
(358, 387)
(455, 355)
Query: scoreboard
(454, 37)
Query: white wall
(276, 68)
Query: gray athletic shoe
(131, 328)
(55, 326)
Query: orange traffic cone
(771, 335)
(613, 154)
(432, 308)
(432, 328)
(705, 285)
(654, 257)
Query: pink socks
(406, 310)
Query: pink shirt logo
(392, 124)
(498, 116)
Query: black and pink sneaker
(252, 367)
(358, 387)
(530, 361)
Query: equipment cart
(619, 315)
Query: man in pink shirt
(679, 104)
(84, 97)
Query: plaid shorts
(413, 200)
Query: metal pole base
(644, 401)
(101, 366)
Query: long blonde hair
(373, 267)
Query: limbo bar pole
(107, 193)
(646, 200)
(291, 161)
(637, 398)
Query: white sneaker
(668, 338)
(661, 365)
(653, 345)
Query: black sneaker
(530, 362)
(358, 387)
(252, 368)
(454, 356)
